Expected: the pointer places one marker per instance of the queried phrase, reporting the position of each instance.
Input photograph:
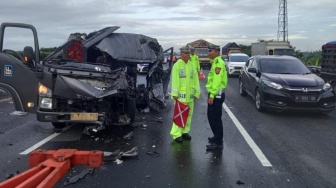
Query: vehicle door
(246, 76)
(18, 73)
(158, 79)
(253, 80)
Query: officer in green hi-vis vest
(194, 59)
(185, 88)
(216, 84)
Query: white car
(235, 62)
(142, 68)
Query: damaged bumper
(70, 117)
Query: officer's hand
(175, 97)
(210, 101)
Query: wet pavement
(164, 163)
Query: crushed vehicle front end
(87, 97)
(92, 79)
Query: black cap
(214, 47)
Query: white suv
(235, 62)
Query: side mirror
(28, 56)
(252, 70)
(315, 70)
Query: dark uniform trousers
(215, 118)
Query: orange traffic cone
(201, 75)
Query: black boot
(178, 139)
(214, 146)
(211, 139)
(186, 136)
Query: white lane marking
(34, 147)
(264, 161)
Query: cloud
(175, 22)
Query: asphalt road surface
(260, 149)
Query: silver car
(235, 62)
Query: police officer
(185, 88)
(194, 59)
(216, 84)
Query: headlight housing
(45, 100)
(44, 91)
(272, 84)
(326, 87)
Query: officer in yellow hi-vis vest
(194, 59)
(217, 81)
(185, 88)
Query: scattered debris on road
(93, 129)
(112, 156)
(240, 182)
(153, 153)
(78, 176)
(129, 135)
(18, 113)
(118, 161)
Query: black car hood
(305, 80)
(131, 48)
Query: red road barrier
(48, 166)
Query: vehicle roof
(230, 45)
(275, 57)
(238, 54)
(122, 47)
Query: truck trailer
(201, 49)
(231, 47)
(272, 48)
(328, 64)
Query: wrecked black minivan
(89, 79)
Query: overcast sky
(174, 23)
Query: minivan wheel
(259, 100)
(242, 91)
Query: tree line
(309, 58)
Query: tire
(58, 126)
(242, 91)
(259, 100)
(131, 108)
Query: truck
(272, 48)
(90, 79)
(328, 63)
(201, 49)
(229, 48)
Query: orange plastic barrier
(48, 166)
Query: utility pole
(282, 21)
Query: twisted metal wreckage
(89, 79)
